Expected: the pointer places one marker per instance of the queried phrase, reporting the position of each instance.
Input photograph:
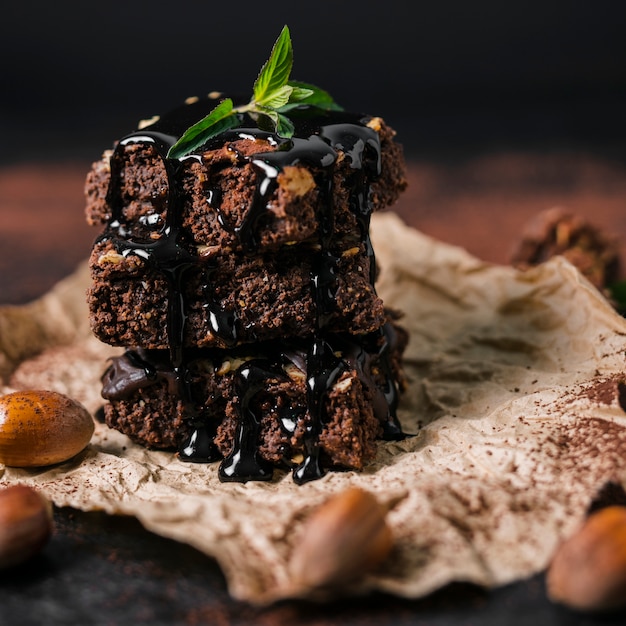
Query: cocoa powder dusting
(606, 390)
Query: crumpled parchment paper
(513, 405)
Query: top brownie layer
(251, 190)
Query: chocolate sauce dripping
(392, 429)
(244, 461)
(166, 254)
(222, 323)
(360, 144)
(322, 366)
(199, 446)
(364, 153)
(323, 370)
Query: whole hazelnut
(25, 524)
(39, 427)
(588, 570)
(346, 537)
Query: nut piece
(344, 538)
(40, 428)
(588, 571)
(25, 524)
(296, 180)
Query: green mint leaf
(221, 118)
(273, 121)
(276, 99)
(316, 96)
(284, 127)
(275, 73)
(299, 94)
(267, 119)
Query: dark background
(449, 76)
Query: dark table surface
(99, 569)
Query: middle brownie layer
(228, 300)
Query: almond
(346, 537)
(588, 571)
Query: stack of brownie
(240, 281)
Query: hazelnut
(25, 524)
(588, 570)
(41, 427)
(346, 537)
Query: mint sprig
(273, 96)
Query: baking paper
(513, 410)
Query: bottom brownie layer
(283, 404)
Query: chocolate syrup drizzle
(318, 136)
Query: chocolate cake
(240, 278)
(266, 296)
(259, 412)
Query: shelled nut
(588, 571)
(39, 428)
(344, 538)
(25, 524)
